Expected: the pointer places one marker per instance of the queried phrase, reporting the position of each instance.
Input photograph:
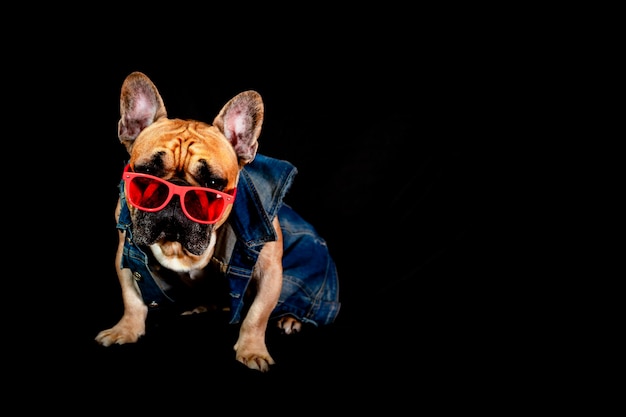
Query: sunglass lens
(147, 193)
(204, 205)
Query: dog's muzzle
(171, 225)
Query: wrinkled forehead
(171, 147)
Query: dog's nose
(171, 234)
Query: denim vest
(310, 287)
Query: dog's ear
(140, 106)
(240, 121)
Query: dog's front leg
(250, 348)
(132, 325)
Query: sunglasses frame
(179, 190)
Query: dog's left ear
(140, 106)
(240, 121)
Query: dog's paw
(120, 334)
(289, 325)
(260, 362)
(253, 353)
(198, 310)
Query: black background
(378, 128)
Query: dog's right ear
(140, 106)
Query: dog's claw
(259, 365)
(289, 325)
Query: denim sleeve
(310, 283)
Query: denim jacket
(310, 287)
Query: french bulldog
(199, 205)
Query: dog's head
(185, 153)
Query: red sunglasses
(150, 193)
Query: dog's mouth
(179, 246)
(174, 256)
(174, 249)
